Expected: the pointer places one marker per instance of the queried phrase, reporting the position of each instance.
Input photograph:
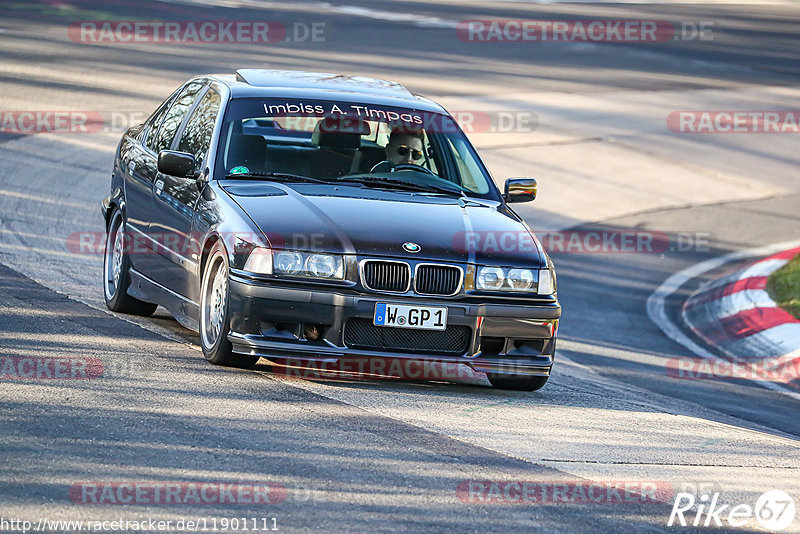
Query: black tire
(215, 313)
(517, 382)
(116, 271)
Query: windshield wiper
(401, 184)
(364, 180)
(277, 176)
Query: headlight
(491, 278)
(515, 280)
(520, 279)
(288, 262)
(312, 265)
(322, 265)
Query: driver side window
(174, 117)
(196, 137)
(467, 167)
(428, 158)
(155, 124)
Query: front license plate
(422, 317)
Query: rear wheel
(116, 272)
(215, 313)
(517, 382)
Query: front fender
(219, 218)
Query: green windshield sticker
(240, 170)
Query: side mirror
(175, 163)
(520, 190)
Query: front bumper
(271, 321)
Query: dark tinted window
(148, 134)
(174, 117)
(329, 140)
(154, 123)
(196, 136)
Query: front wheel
(517, 382)
(116, 272)
(215, 313)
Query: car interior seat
(338, 140)
(246, 150)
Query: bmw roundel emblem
(413, 248)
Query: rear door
(138, 186)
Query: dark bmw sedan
(293, 215)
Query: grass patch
(784, 287)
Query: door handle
(159, 186)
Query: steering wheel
(413, 167)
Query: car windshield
(374, 146)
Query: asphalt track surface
(387, 455)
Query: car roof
(324, 86)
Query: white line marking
(720, 282)
(744, 300)
(773, 343)
(762, 268)
(394, 16)
(37, 198)
(656, 308)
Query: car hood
(373, 222)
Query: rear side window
(196, 136)
(153, 132)
(155, 123)
(150, 130)
(174, 117)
